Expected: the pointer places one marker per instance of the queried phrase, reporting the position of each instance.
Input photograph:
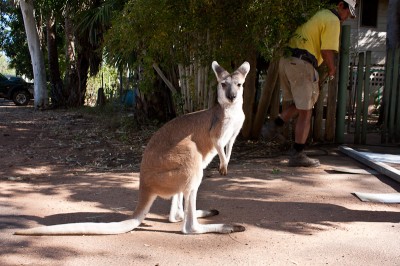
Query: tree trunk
(39, 73)
(71, 76)
(82, 71)
(77, 65)
(56, 92)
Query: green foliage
(13, 40)
(106, 78)
(13, 37)
(4, 66)
(168, 32)
(180, 31)
(276, 21)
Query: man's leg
(299, 158)
(302, 126)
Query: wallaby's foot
(238, 228)
(213, 228)
(223, 169)
(176, 218)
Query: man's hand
(329, 59)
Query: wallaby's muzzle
(231, 93)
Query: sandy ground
(60, 166)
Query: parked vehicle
(15, 89)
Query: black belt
(304, 55)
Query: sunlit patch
(40, 170)
(21, 129)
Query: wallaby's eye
(239, 84)
(223, 84)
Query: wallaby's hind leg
(191, 225)
(176, 213)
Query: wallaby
(173, 163)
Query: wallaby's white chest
(233, 122)
(230, 127)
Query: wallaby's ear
(244, 69)
(219, 71)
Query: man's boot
(301, 159)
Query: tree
(83, 52)
(85, 23)
(58, 98)
(39, 72)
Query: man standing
(314, 42)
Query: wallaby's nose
(231, 95)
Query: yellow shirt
(320, 32)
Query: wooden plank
(164, 78)
(378, 166)
(379, 197)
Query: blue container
(129, 98)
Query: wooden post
(318, 116)
(360, 72)
(331, 110)
(343, 80)
(366, 97)
(397, 123)
(265, 100)
(274, 108)
(386, 94)
(393, 96)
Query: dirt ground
(66, 166)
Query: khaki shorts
(299, 82)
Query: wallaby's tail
(114, 228)
(83, 228)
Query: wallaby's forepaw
(223, 170)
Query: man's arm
(329, 59)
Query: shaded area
(62, 167)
